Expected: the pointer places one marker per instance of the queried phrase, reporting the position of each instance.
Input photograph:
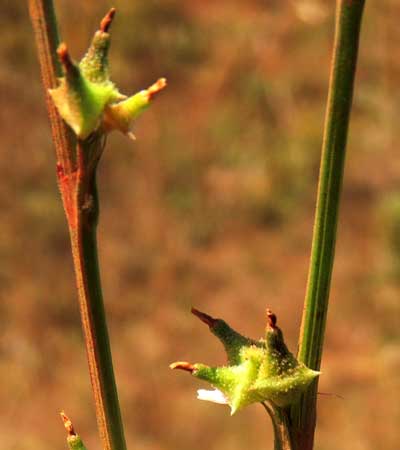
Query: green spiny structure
(87, 99)
(257, 371)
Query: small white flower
(214, 396)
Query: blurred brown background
(211, 207)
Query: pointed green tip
(234, 409)
(315, 373)
(310, 373)
(119, 116)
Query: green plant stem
(83, 232)
(76, 177)
(279, 418)
(84, 248)
(347, 30)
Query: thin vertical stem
(47, 39)
(347, 30)
(76, 177)
(348, 21)
(279, 418)
(83, 232)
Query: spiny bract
(257, 371)
(86, 98)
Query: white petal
(214, 396)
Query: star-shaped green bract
(257, 371)
(87, 99)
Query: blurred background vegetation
(211, 207)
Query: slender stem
(279, 418)
(84, 249)
(76, 168)
(348, 21)
(47, 39)
(347, 30)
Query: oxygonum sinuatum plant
(257, 371)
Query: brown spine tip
(182, 365)
(67, 424)
(63, 55)
(210, 321)
(271, 318)
(158, 86)
(107, 20)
